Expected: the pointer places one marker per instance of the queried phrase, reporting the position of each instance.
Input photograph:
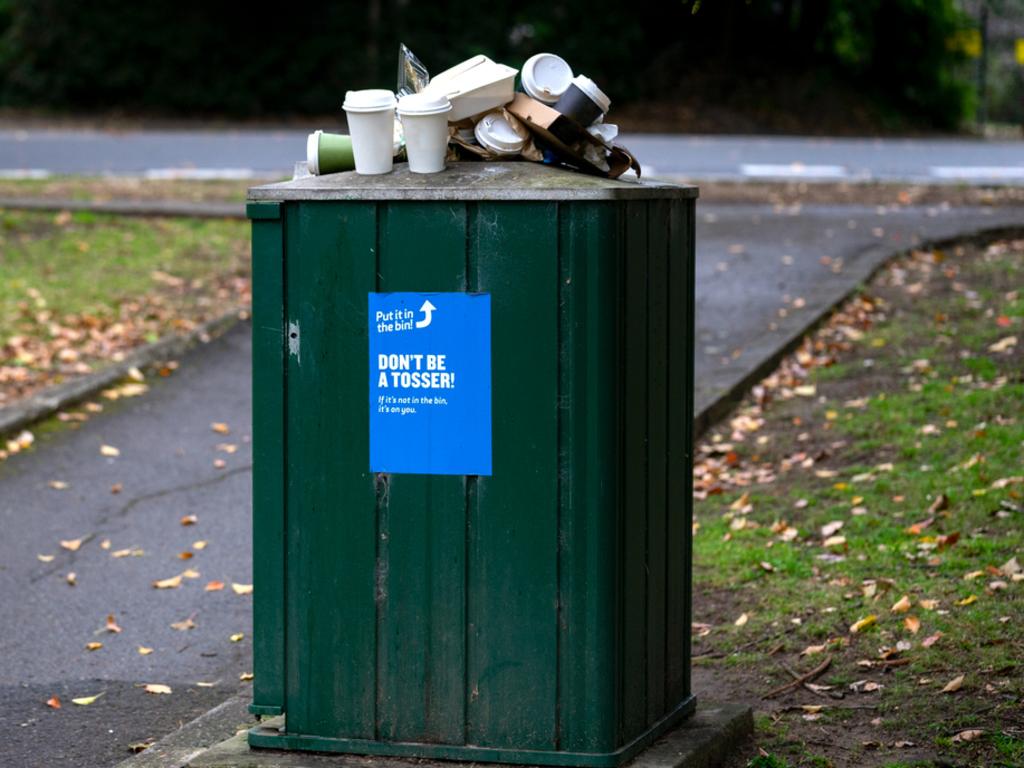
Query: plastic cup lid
(494, 132)
(424, 104)
(590, 88)
(546, 76)
(313, 152)
(370, 100)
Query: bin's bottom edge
(262, 737)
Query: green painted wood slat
(268, 424)
(588, 477)
(679, 280)
(634, 471)
(331, 554)
(422, 525)
(657, 469)
(513, 528)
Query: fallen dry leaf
(71, 579)
(830, 529)
(185, 555)
(954, 685)
(1003, 344)
(928, 605)
(131, 552)
(743, 619)
(1010, 567)
(189, 520)
(219, 464)
(85, 701)
(172, 583)
(740, 503)
(913, 624)
(144, 651)
(111, 625)
(864, 623)
(245, 676)
(109, 450)
(204, 684)
(71, 544)
(242, 589)
(236, 637)
(865, 686)
(93, 646)
(967, 600)
(214, 586)
(105, 544)
(53, 702)
(701, 629)
(198, 546)
(45, 558)
(969, 735)
(902, 605)
(58, 485)
(117, 488)
(184, 624)
(157, 688)
(931, 640)
(220, 428)
(916, 528)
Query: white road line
(977, 171)
(793, 171)
(199, 174)
(24, 173)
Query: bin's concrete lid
(469, 181)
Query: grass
(93, 261)
(79, 288)
(118, 188)
(895, 498)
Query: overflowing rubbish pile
(473, 111)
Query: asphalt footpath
(763, 275)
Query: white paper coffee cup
(371, 124)
(495, 133)
(425, 120)
(545, 77)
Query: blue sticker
(430, 383)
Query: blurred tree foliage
(210, 57)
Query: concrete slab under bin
(701, 741)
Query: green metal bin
(538, 615)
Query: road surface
(38, 152)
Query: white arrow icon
(427, 310)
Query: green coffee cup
(329, 153)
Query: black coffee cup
(584, 102)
